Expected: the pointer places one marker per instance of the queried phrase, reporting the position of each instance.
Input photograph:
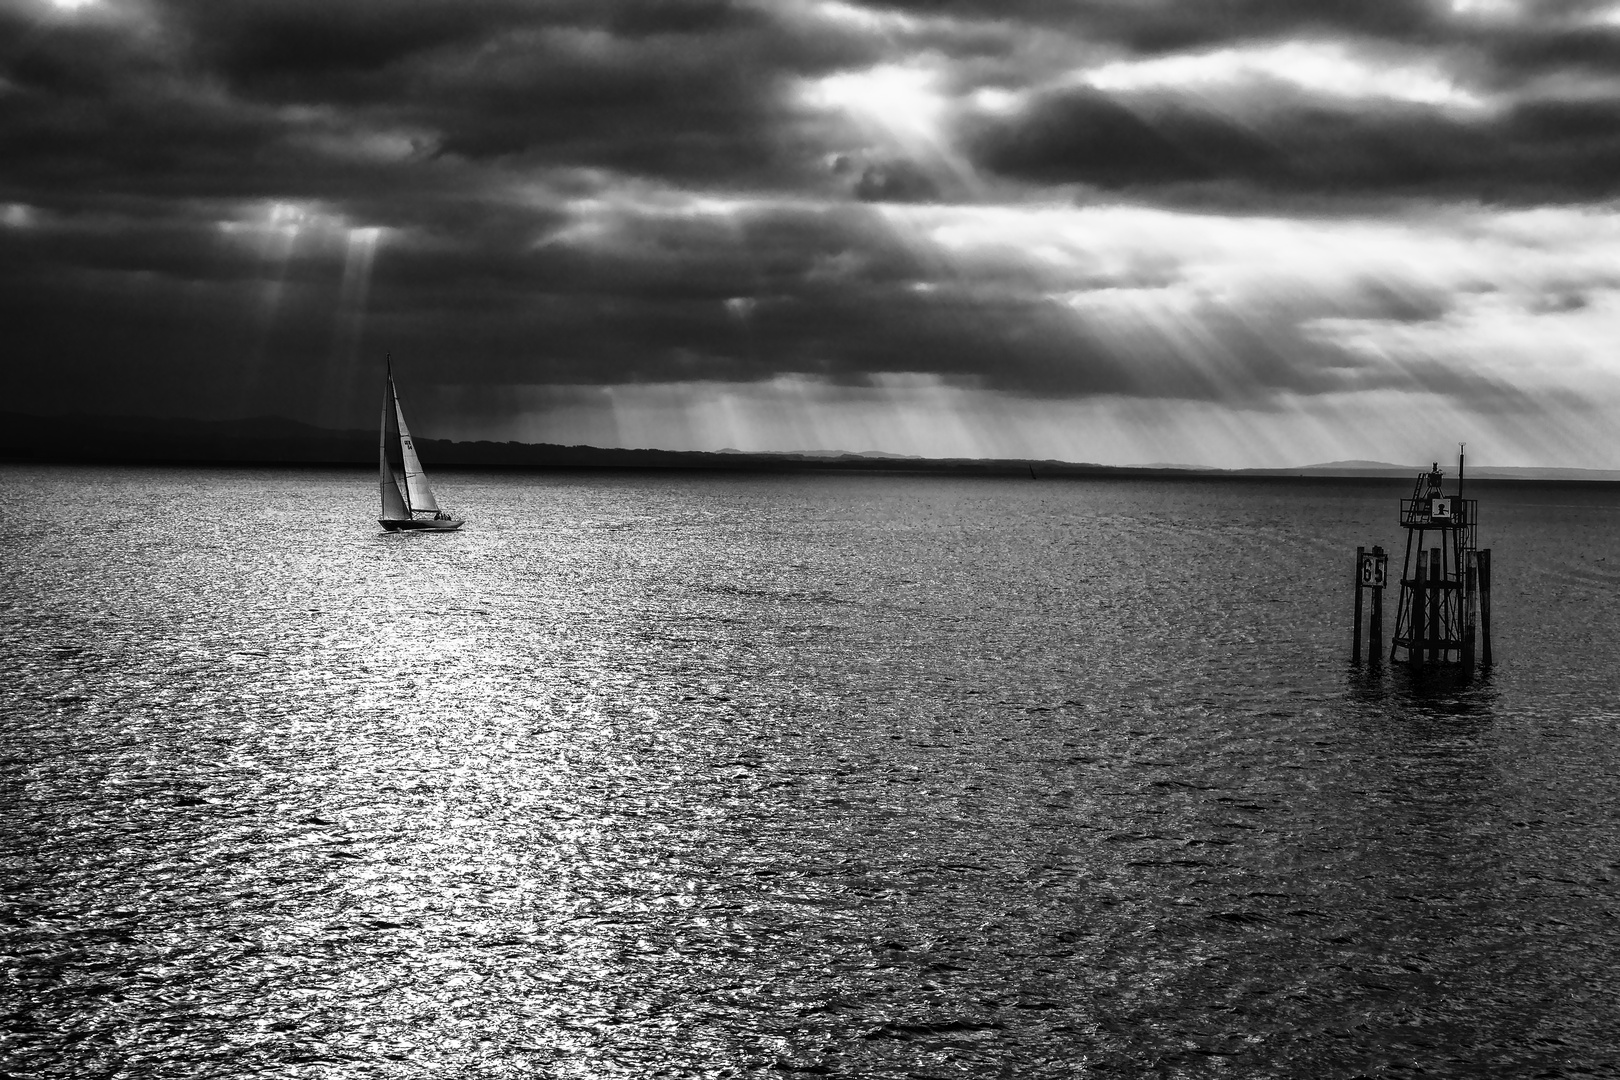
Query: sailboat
(405, 490)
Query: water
(646, 775)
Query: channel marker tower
(1442, 586)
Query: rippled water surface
(646, 775)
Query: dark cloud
(536, 174)
(293, 48)
(1157, 26)
(1089, 137)
(276, 47)
(894, 180)
(830, 294)
(306, 99)
(1533, 50)
(1534, 151)
(298, 99)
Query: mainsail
(417, 492)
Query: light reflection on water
(869, 776)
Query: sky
(1223, 232)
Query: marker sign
(1374, 569)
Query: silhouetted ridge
(273, 440)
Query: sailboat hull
(420, 524)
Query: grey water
(878, 776)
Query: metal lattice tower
(1436, 619)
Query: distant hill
(1360, 468)
(1488, 472)
(1474, 472)
(274, 440)
(825, 454)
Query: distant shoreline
(271, 441)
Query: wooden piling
(1355, 633)
(1470, 584)
(1485, 607)
(1416, 632)
(1375, 632)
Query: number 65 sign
(1373, 570)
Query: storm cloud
(218, 209)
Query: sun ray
(899, 111)
(345, 374)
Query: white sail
(418, 494)
(393, 503)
